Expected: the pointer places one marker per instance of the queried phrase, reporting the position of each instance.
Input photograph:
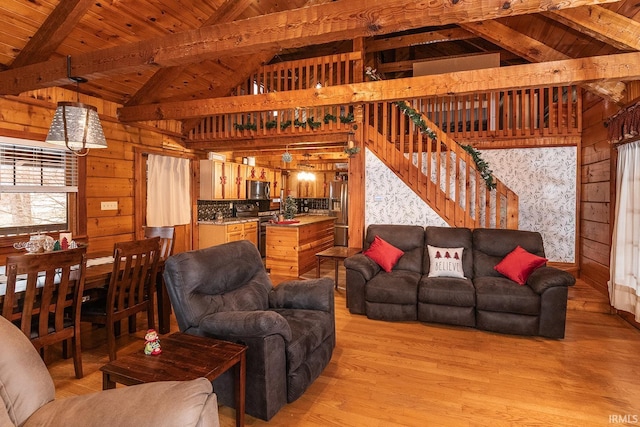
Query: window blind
(34, 168)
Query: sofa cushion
(447, 314)
(447, 291)
(407, 238)
(490, 246)
(383, 253)
(504, 295)
(397, 287)
(445, 262)
(507, 323)
(519, 264)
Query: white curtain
(624, 283)
(168, 191)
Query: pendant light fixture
(76, 125)
(286, 156)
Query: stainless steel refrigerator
(338, 207)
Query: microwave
(258, 190)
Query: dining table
(98, 274)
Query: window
(38, 187)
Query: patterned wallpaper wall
(543, 178)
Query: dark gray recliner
(224, 292)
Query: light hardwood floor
(414, 374)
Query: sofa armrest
(164, 403)
(245, 324)
(314, 294)
(544, 278)
(363, 265)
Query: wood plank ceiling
(153, 55)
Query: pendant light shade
(76, 126)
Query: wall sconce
(76, 125)
(350, 148)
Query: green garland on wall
(417, 119)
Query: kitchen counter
(228, 221)
(304, 220)
(211, 233)
(291, 248)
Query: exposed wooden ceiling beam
(294, 142)
(601, 24)
(536, 51)
(625, 66)
(249, 64)
(428, 37)
(53, 31)
(293, 28)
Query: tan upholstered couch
(28, 399)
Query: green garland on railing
(417, 119)
(272, 124)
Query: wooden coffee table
(184, 357)
(337, 254)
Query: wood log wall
(110, 172)
(597, 192)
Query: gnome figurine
(152, 344)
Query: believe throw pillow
(445, 262)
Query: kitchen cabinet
(257, 173)
(217, 234)
(273, 176)
(207, 180)
(240, 181)
(228, 181)
(222, 180)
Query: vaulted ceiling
(145, 54)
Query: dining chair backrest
(167, 239)
(43, 298)
(46, 283)
(133, 277)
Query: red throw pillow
(383, 253)
(519, 264)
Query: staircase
(438, 170)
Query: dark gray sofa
(484, 299)
(224, 292)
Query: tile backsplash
(207, 209)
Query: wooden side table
(184, 357)
(337, 254)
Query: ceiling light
(286, 156)
(76, 125)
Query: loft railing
(325, 71)
(512, 114)
(331, 70)
(518, 113)
(439, 170)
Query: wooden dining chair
(167, 237)
(43, 298)
(131, 288)
(167, 240)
